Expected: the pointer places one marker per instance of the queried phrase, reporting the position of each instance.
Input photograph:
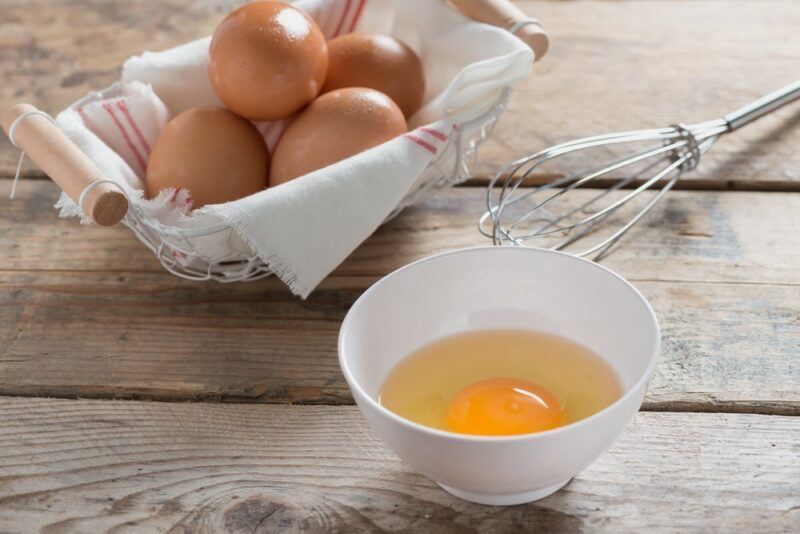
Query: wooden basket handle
(65, 163)
(506, 15)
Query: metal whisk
(519, 216)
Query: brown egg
(216, 155)
(379, 62)
(267, 60)
(334, 127)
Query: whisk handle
(762, 106)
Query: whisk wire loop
(668, 152)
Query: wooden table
(135, 401)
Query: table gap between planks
(87, 315)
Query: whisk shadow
(754, 149)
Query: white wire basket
(181, 250)
(203, 246)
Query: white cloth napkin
(303, 229)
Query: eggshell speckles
(334, 127)
(378, 62)
(267, 60)
(215, 154)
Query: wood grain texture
(54, 52)
(87, 311)
(612, 66)
(84, 466)
(727, 347)
(692, 236)
(631, 64)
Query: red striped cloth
(128, 123)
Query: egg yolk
(502, 406)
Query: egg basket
(184, 251)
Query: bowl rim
(354, 385)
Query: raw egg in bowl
(499, 372)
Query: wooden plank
(86, 311)
(92, 466)
(691, 236)
(628, 65)
(727, 347)
(640, 68)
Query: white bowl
(499, 287)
